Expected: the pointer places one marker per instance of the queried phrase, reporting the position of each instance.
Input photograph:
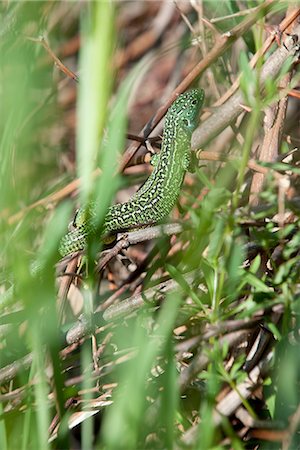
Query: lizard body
(157, 196)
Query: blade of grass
(126, 417)
(94, 89)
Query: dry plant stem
(78, 418)
(243, 12)
(294, 93)
(135, 237)
(228, 112)
(112, 253)
(85, 325)
(252, 164)
(150, 295)
(228, 326)
(113, 298)
(147, 234)
(82, 328)
(16, 394)
(270, 436)
(64, 286)
(248, 421)
(57, 61)
(222, 44)
(50, 199)
(273, 124)
(127, 239)
(105, 369)
(268, 42)
(9, 372)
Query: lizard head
(185, 110)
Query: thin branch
(88, 324)
(222, 44)
(150, 295)
(269, 150)
(229, 111)
(252, 164)
(50, 199)
(9, 372)
(135, 237)
(284, 25)
(57, 61)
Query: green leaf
(258, 284)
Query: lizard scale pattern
(157, 196)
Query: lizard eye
(186, 122)
(194, 102)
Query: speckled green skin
(158, 195)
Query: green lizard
(157, 196)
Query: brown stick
(287, 21)
(230, 110)
(274, 120)
(273, 124)
(51, 198)
(252, 164)
(222, 44)
(57, 61)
